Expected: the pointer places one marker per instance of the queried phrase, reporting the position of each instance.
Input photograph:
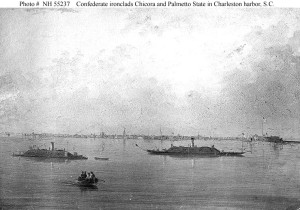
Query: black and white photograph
(150, 107)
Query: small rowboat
(86, 182)
(99, 158)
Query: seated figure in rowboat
(82, 176)
(93, 177)
(87, 178)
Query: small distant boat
(275, 139)
(101, 158)
(265, 137)
(86, 183)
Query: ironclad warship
(194, 150)
(51, 153)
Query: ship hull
(86, 184)
(98, 158)
(41, 156)
(42, 153)
(274, 139)
(238, 154)
(195, 152)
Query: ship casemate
(194, 150)
(47, 153)
(201, 151)
(51, 153)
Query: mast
(160, 134)
(124, 134)
(262, 126)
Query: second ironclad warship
(194, 150)
(51, 153)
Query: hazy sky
(212, 71)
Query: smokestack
(52, 146)
(192, 141)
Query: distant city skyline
(213, 72)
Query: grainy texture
(217, 72)
(167, 72)
(266, 178)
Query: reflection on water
(76, 185)
(267, 177)
(90, 188)
(45, 160)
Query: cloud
(268, 83)
(79, 94)
(143, 69)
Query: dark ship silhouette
(51, 153)
(275, 139)
(194, 150)
(265, 137)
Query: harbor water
(267, 177)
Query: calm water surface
(268, 177)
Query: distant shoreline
(137, 137)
